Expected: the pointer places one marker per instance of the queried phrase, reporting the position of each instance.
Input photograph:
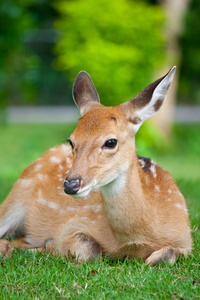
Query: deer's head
(103, 143)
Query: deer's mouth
(81, 191)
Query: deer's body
(122, 204)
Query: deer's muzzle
(72, 187)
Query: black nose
(71, 187)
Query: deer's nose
(72, 187)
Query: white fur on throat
(114, 187)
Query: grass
(38, 276)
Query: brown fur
(140, 212)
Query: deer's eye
(70, 142)
(112, 143)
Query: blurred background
(124, 45)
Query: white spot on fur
(99, 216)
(87, 207)
(55, 159)
(41, 201)
(69, 162)
(38, 167)
(66, 149)
(178, 206)
(53, 149)
(157, 188)
(93, 222)
(168, 200)
(70, 209)
(84, 218)
(142, 162)
(169, 191)
(61, 177)
(180, 195)
(53, 205)
(97, 208)
(42, 177)
(25, 182)
(59, 187)
(153, 169)
(60, 167)
(181, 207)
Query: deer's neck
(125, 204)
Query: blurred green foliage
(26, 42)
(118, 43)
(150, 137)
(189, 84)
(16, 64)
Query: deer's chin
(84, 192)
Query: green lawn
(39, 276)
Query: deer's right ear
(148, 102)
(84, 93)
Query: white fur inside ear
(159, 95)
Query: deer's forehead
(99, 122)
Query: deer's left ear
(148, 102)
(84, 93)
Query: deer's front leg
(166, 254)
(6, 248)
(78, 245)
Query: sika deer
(113, 202)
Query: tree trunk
(174, 11)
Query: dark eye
(110, 144)
(70, 142)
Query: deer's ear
(148, 102)
(84, 93)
